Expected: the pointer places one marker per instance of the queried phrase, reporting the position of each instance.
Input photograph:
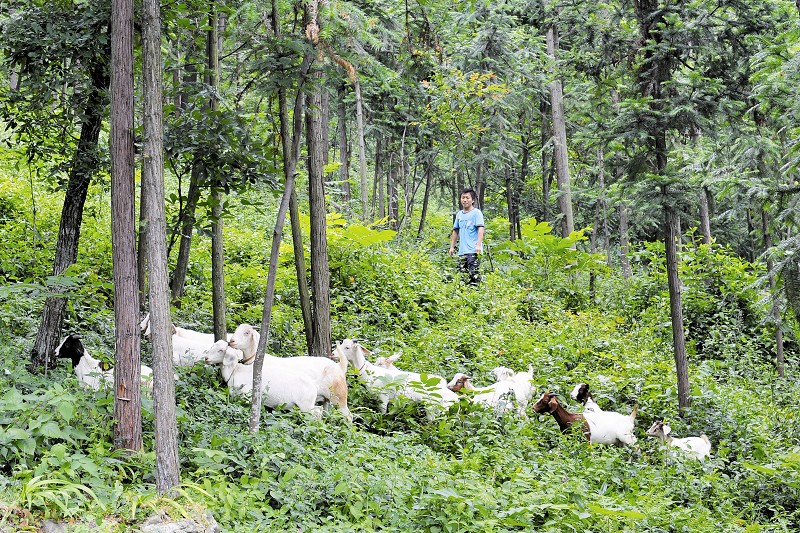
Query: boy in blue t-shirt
(468, 229)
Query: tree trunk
(560, 139)
(291, 154)
(379, 178)
(166, 425)
(601, 217)
(676, 311)
(623, 241)
(344, 149)
(362, 153)
(426, 198)
(776, 311)
(300, 270)
(705, 216)
(187, 222)
(512, 228)
(479, 185)
(317, 147)
(391, 192)
(218, 267)
(84, 164)
(127, 370)
(141, 247)
(547, 166)
(217, 226)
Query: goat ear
(667, 430)
(393, 358)
(364, 350)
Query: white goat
(499, 396)
(329, 377)
(282, 387)
(88, 369)
(389, 383)
(207, 339)
(698, 447)
(388, 363)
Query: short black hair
(471, 192)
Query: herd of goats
(305, 382)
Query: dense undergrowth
(412, 469)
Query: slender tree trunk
(300, 269)
(776, 311)
(623, 242)
(676, 312)
(84, 164)
(217, 226)
(166, 425)
(379, 178)
(394, 208)
(512, 228)
(362, 152)
(602, 206)
(560, 139)
(547, 167)
(705, 216)
(344, 148)
(426, 199)
(141, 247)
(291, 153)
(479, 185)
(127, 370)
(187, 222)
(317, 147)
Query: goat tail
(634, 412)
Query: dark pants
(470, 265)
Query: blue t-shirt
(467, 225)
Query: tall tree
(47, 105)
(560, 159)
(127, 369)
(315, 127)
(155, 223)
(291, 154)
(217, 248)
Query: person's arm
(479, 246)
(453, 238)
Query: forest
(277, 179)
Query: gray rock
(160, 522)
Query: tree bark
(188, 219)
(426, 197)
(623, 241)
(127, 370)
(362, 152)
(344, 148)
(546, 163)
(300, 270)
(166, 425)
(379, 178)
(84, 164)
(776, 311)
(705, 215)
(317, 147)
(217, 226)
(676, 311)
(560, 139)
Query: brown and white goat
(599, 427)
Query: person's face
(466, 201)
